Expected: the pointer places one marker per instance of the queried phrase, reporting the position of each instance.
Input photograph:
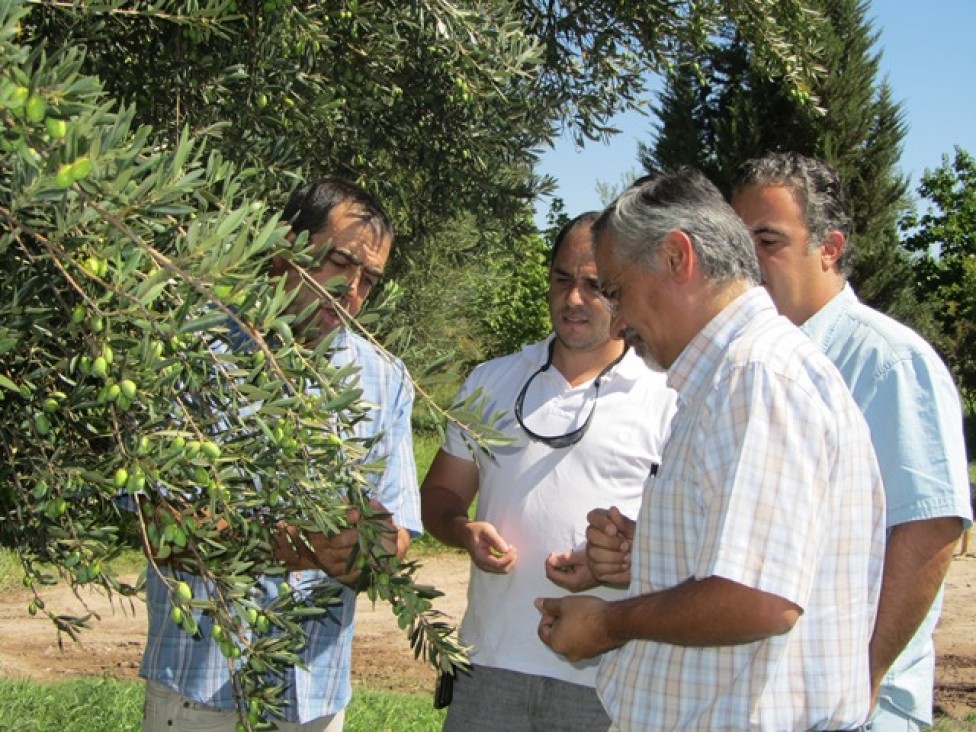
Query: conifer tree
(721, 109)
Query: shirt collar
(631, 367)
(820, 326)
(703, 353)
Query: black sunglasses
(570, 438)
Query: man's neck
(830, 288)
(578, 367)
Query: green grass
(81, 705)
(425, 447)
(130, 561)
(109, 705)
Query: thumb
(495, 540)
(548, 606)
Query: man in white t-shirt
(587, 420)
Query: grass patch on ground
(130, 561)
(110, 705)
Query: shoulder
(870, 329)
(776, 344)
(509, 369)
(351, 347)
(633, 375)
(379, 372)
(867, 344)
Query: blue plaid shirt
(194, 666)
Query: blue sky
(928, 55)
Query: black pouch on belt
(443, 690)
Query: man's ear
(832, 249)
(678, 255)
(279, 264)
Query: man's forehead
(575, 252)
(361, 237)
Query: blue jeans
(887, 718)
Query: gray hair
(683, 200)
(818, 191)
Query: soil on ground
(382, 659)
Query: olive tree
(145, 149)
(132, 274)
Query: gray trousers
(498, 700)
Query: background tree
(440, 108)
(722, 108)
(943, 239)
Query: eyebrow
(357, 261)
(768, 230)
(564, 273)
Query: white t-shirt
(537, 497)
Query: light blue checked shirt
(915, 416)
(194, 666)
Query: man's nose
(356, 289)
(575, 294)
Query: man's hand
(570, 571)
(609, 539)
(574, 627)
(330, 552)
(488, 550)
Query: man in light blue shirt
(796, 209)
(188, 681)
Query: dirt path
(382, 658)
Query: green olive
(80, 168)
(36, 108)
(42, 424)
(210, 449)
(18, 97)
(56, 128)
(136, 482)
(99, 366)
(63, 178)
(183, 592)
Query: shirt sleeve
(764, 491)
(915, 418)
(397, 488)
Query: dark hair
(309, 207)
(683, 200)
(584, 218)
(818, 191)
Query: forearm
(709, 612)
(445, 516)
(917, 557)
(402, 542)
